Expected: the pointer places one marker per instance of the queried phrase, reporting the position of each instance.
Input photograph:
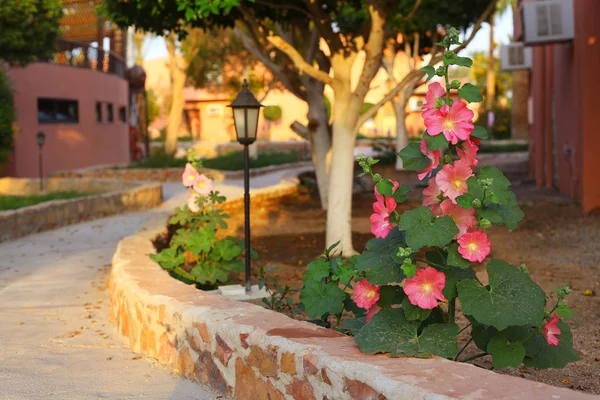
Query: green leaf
(401, 194)
(512, 299)
(499, 182)
(450, 292)
(414, 313)
(346, 273)
(350, 305)
(390, 332)
(504, 353)
(422, 229)
(378, 259)
(412, 158)
(430, 72)
(453, 59)
(352, 326)
(475, 188)
(201, 242)
(385, 187)
(168, 258)
(208, 273)
(541, 355)
(470, 93)
(482, 335)
(455, 259)
(509, 213)
(564, 311)
(409, 270)
(320, 298)
(435, 142)
(479, 132)
(316, 270)
(465, 200)
(389, 295)
(225, 250)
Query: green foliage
(272, 113)
(8, 117)
(195, 254)
(379, 262)
(29, 29)
(425, 230)
(10, 202)
(412, 158)
(278, 299)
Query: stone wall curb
(56, 213)
(248, 352)
(173, 174)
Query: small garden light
(246, 110)
(41, 140)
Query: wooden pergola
(81, 23)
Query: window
(109, 113)
(122, 114)
(98, 111)
(65, 111)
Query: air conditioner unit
(548, 21)
(515, 56)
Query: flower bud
(455, 84)
(377, 178)
(440, 71)
(477, 203)
(484, 223)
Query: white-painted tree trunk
(318, 131)
(178, 77)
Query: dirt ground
(558, 245)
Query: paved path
(56, 340)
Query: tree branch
(298, 60)
(324, 24)
(285, 7)
(418, 74)
(414, 9)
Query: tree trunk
(519, 106)
(319, 135)
(178, 77)
(491, 72)
(400, 111)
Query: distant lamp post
(246, 110)
(41, 139)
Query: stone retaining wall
(250, 353)
(173, 174)
(120, 197)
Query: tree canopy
(29, 29)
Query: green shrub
(7, 118)
(272, 113)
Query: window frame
(56, 101)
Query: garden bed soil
(558, 245)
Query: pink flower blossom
(432, 197)
(434, 158)
(190, 175)
(452, 179)
(372, 311)
(550, 330)
(192, 203)
(454, 122)
(464, 218)
(203, 184)
(467, 151)
(434, 91)
(474, 246)
(365, 294)
(380, 219)
(425, 288)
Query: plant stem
(463, 349)
(474, 357)
(452, 309)
(463, 329)
(430, 263)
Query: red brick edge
(248, 352)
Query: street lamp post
(246, 110)
(41, 139)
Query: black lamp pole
(41, 139)
(245, 117)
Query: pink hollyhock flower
(464, 218)
(192, 204)
(549, 330)
(434, 157)
(454, 122)
(380, 219)
(425, 288)
(372, 311)
(365, 294)
(474, 246)
(432, 197)
(452, 179)
(467, 151)
(434, 91)
(203, 184)
(190, 175)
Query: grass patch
(233, 161)
(9, 202)
(504, 148)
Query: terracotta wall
(564, 135)
(68, 146)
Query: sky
(504, 28)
